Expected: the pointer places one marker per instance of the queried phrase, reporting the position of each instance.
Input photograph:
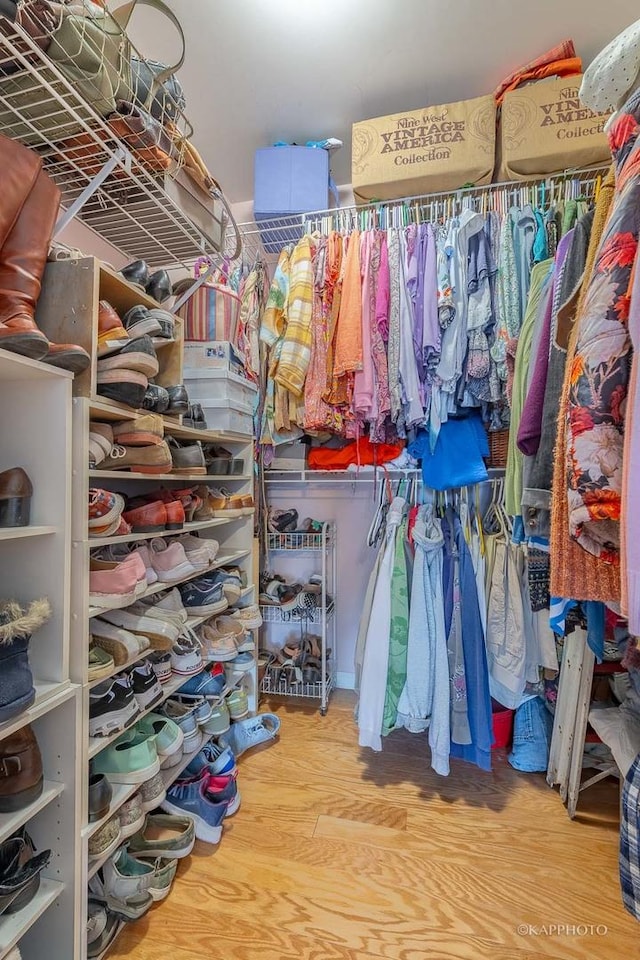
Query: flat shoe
(251, 732)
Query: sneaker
(202, 598)
(133, 908)
(138, 323)
(219, 721)
(138, 355)
(131, 816)
(190, 798)
(163, 835)
(168, 737)
(100, 443)
(161, 633)
(142, 549)
(235, 669)
(164, 872)
(101, 663)
(105, 511)
(238, 704)
(137, 557)
(125, 881)
(250, 616)
(252, 732)
(123, 386)
(184, 715)
(102, 929)
(160, 660)
(146, 686)
(112, 706)
(218, 761)
(105, 840)
(231, 586)
(133, 758)
(200, 706)
(113, 584)
(166, 321)
(224, 790)
(218, 646)
(206, 683)
(200, 551)
(186, 658)
(152, 792)
(121, 644)
(163, 606)
(170, 561)
(233, 627)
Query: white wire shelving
(272, 613)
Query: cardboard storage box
(424, 151)
(544, 129)
(212, 354)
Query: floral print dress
(600, 369)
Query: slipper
(251, 732)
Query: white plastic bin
(219, 385)
(225, 415)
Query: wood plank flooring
(342, 854)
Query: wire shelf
(276, 683)
(271, 613)
(299, 541)
(132, 196)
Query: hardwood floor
(342, 854)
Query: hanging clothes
(398, 631)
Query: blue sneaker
(219, 762)
(205, 684)
(244, 734)
(231, 583)
(224, 790)
(189, 797)
(202, 598)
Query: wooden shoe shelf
(34, 563)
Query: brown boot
(23, 258)
(21, 777)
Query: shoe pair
(171, 400)
(157, 285)
(207, 800)
(20, 870)
(116, 702)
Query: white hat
(614, 73)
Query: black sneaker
(138, 323)
(139, 355)
(165, 322)
(160, 660)
(146, 686)
(112, 707)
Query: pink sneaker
(142, 550)
(170, 561)
(113, 583)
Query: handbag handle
(123, 14)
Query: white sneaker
(250, 616)
(121, 644)
(163, 607)
(169, 561)
(218, 646)
(186, 658)
(160, 630)
(200, 551)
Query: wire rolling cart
(286, 683)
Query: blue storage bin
(288, 180)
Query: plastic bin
(288, 180)
(502, 725)
(216, 384)
(225, 415)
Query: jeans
(531, 737)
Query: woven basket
(498, 446)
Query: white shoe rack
(319, 549)
(34, 563)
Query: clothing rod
(585, 174)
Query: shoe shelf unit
(35, 563)
(288, 680)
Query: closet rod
(587, 176)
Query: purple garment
(530, 429)
(428, 294)
(383, 293)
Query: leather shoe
(20, 869)
(159, 286)
(136, 273)
(21, 776)
(195, 417)
(178, 399)
(149, 518)
(156, 399)
(100, 795)
(15, 498)
(67, 356)
(111, 334)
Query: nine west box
(438, 148)
(544, 128)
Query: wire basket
(297, 541)
(498, 448)
(278, 682)
(271, 613)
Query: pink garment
(629, 513)
(363, 388)
(383, 291)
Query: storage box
(424, 151)
(200, 207)
(223, 415)
(290, 456)
(219, 385)
(544, 129)
(288, 180)
(212, 355)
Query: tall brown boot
(23, 258)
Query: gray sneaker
(164, 835)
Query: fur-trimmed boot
(17, 692)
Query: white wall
(351, 506)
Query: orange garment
(560, 61)
(360, 452)
(348, 351)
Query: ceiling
(258, 71)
